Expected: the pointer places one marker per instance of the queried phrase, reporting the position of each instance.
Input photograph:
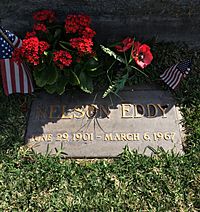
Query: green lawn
(132, 182)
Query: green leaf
(73, 78)
(78, 68)
(41, 67)
(57, 33)
(51, 88)
(94, 73)
(113, 54)
(64, 42)
(86, 83)
(92, 64)
(53, 75)
(133, 67)
(61, 83)
(40, 77)
(116, 85)
(114, 44)
(64, 47)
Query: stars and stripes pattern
(15, 76)
(173, 75)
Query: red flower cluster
(76, 23)
(126, 44)
(30, 34)
(83, 45)
(31, 50)
(40, 27)
(44, 15)
(80, 33)
(43, 46)
(62, 59)
(80, 24)
(88, 33)
(141, 52)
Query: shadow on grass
(12, 120)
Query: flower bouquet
(60, 55)
(127, 56)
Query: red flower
(30, 34)
(40, 27)
(126, 44)
(142, 54)
(16, 55)
(83, 45)
(43, 46)
(88, 33)
(44, 15)
(76, 23)
(31, 50)
(137, 45)
(62, 59)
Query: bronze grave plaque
(81, 125)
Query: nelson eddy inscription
(89, 126)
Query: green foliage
(120, 69)
(86, 82)
(116, 85)
(54, 80)
(133, 182)
(113, 54)
(12, 121)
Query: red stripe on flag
(21, 78)
(12, 75)
(3, 74)
(30, 84)
(18, 42)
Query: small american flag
(15, 76)
(173, 75)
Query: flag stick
(6, 38)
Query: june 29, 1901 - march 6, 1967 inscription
(82, 125)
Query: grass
(132, 182)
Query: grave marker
(88, 126)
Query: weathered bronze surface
(82, 125)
